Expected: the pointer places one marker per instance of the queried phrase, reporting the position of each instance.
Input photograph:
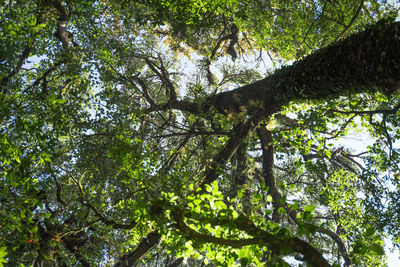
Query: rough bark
(268, 157)
(268, 162)
(229, 149)
(148, 242)
(365, 62)
(239, 173)
(62, 23)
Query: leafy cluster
(132, 132)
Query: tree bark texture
(365, 62)
(148, 242)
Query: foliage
(114, 136)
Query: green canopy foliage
(142, 132)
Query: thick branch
(268, 160)
(62, 22)
(21, 61)
(239, 174)
(235, 243)
(312, 255)
(365, 62)
(229, 149)
(191, 107)
(148, 242)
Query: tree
(113, 153)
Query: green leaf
(295, 206)
(197, 201)
(369, 232)
(173, 199)
(220, 205)
(208, 188)
(309, 208)
(3, 254)
(378, 249)
(281, 211)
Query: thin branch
(352, 20)
(171, 93)
(193, 133)
(342, 128)
(367, 112)
(92, 207)
(267, 147)
(58, 191)
(108, 221)
(45, 74)
(235, 243)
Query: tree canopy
(198, 132)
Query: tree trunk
(365, 62)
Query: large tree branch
(240, 172)
(268, 161)
(268, 157)
(191, 107)
(188, 231)
(228, 150)
(312, 255)
(365, 62)
(148, 242)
